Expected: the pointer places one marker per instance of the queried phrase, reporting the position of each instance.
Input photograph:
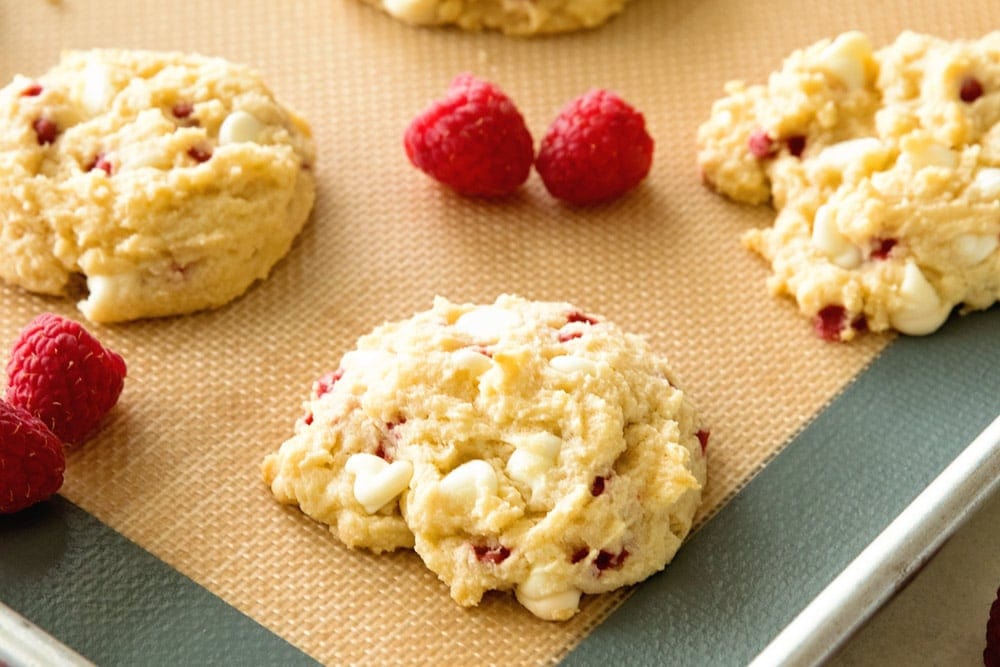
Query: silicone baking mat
(176, 469)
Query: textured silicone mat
(176, 468)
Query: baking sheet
(175, 469)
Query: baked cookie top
(519, 445)
(155, 183)
(513, 18)
(884, 166)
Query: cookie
(522, 445)
(513, 18)
(148, 183)
(884, 168)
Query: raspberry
(596, 150)
(64, 376)
(830, 322)
(474, 140)
(606, 560)
(495, 555)
(32, 461)
(991, 654)
(703, 436)
(761, 144)
(796, 145)
(46, 130)
(34, 90)
(200, 154)
(883, 247)
(597, 486)
(970, 90)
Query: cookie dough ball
(523, 446)
(153, 183)
(884, 167)
(513, 18)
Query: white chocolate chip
(919, 310)
(537, 597)
(974, 248)
(533, 457)
(106, 292)
(240, 127)
(570, 363)
(867, 152)
(377, 482)
(986, 183)
(466, 483)
(97, 89)
(474, 362)
(543, 444)
(847, 59)
(487, 324)
(921, 151)
(827, 239)
(415, 11)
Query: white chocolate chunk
(543, 443)
(415, 11)
(536, 596)
(827, 239)
(240, 127)
(466, 483)
(974, 248)
(487, 324)
(377, 482)
(535, 455)
(919, 310)
(847, 58)
(570, 363)
(920, 152)
(986, 183)
(97, 89)
(867, 152)
(527, 468)
(555, 607)
(106, 292)
(471, 361)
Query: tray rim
(892, 559)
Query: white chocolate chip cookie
(150, 183)
(520, 445)
(884, 167)
(513, 18)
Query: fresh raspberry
(32, 461)
(64, 376)
(596, 150)
(991, 654)
(474, 140)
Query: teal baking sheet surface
(115, 603)
(740, 579)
